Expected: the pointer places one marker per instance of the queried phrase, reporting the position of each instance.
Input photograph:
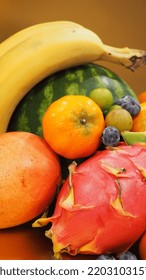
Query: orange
(142, 247)
(139, 121)
(142, 97)
(73, 125)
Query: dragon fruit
(101, 207)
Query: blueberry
(105, 257)
(110, 136)
(127, 256)
(130, 104)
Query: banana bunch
(38, 51)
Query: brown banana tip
(137, 62)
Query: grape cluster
(130, 104)
(110, 136)
(119, 118)
(123, 256)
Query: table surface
(27, 243)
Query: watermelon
(77, 80)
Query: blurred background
(118, 23)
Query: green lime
(119, 118)
(115, 107)
(102, 97)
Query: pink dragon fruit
(101, 207)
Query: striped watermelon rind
(78, 80)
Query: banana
(38, 51)
(23, 34)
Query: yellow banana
(38, 51)
(23, 34)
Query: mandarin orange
(142, 97)
(73, 126)
(139, 121)
(142, 247)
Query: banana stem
(130, 58)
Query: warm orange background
(118, 23)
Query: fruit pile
(76, 112)
(119, 119)
(71, 126)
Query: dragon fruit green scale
(101, 207)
